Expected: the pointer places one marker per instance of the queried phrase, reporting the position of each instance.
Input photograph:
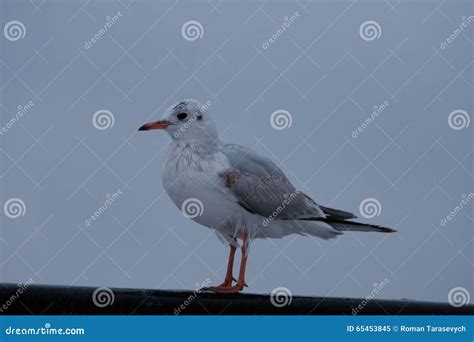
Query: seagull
(238, 193)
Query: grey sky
(320, 70)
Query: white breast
(191, 176)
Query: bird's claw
(245, 284)
(226, 287)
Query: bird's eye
(182, 116)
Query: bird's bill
(162, 124)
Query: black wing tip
(387, 230)
(375, 228)
(337, 214)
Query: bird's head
(187, 121)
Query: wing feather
(261, 187)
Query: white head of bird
(187, 122)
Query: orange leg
(225, 288)
(243, 264)
(230, 266)
(229, 278)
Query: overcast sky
(330, 66)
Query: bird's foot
(225, 285)
(245, 284)
(226, 289)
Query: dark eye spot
(199, 117)
(182, 116)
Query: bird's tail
(344, 225)
(320, 229)
(324, 228)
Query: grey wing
(245, 159)
(260, 187)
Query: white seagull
(237, 192)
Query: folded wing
(262, 188)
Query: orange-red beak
(154, 125)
